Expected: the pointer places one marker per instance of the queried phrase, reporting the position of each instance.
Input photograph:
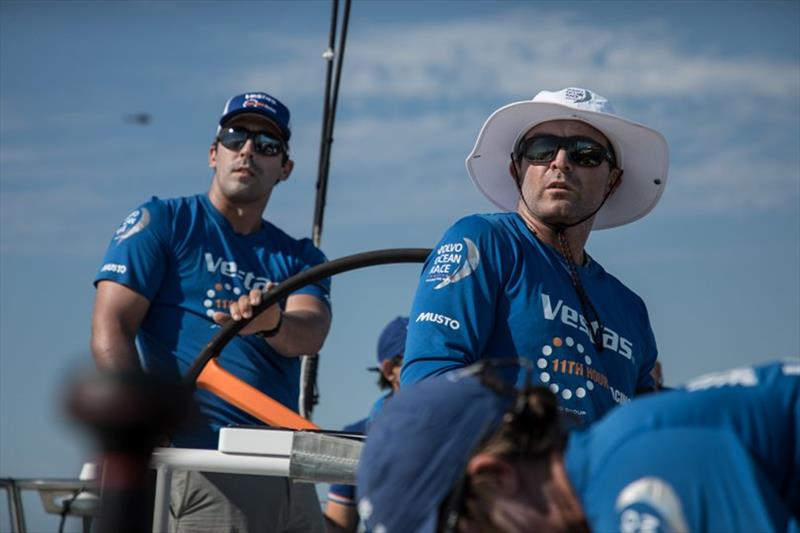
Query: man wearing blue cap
(519, 283)
(177, 268)
(721, 454)
(341, 507)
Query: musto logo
(114, 267)
(439, 319)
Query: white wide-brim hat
(641, 152)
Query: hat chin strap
(596, 327)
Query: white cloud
(503, 56)
(413, 98)
(403, 83)
(739, 183)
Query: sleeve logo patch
(650, 504)
(133, 224)
(436, 318)
(114, 267)
(453, 262)
(745, 377)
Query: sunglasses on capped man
(233, 138)
(582, 151)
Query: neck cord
(594, 324)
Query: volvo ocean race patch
(453, 262)
(650, 504)
(133, 224)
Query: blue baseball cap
(258, 104)
(418, 447)
(392, 341)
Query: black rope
(331, 99)
(586, 304)
(66, 506)
(310, 363)
(589, 310)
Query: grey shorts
(211, 502)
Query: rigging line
(309, 392)
(333, 105)
(328, 56)
(329, 114)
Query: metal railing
(59, 496)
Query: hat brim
(641, 152)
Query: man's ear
(386, 369)
(614, 180)
(497, 473)
(212, 156)
(286, 169)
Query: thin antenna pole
(329, 116)
(329, 56)
(309, 396)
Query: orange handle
(233, 390)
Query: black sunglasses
(506, 377)
(264, 143)
(582, 151)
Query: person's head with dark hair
(464, 452)
(391, 347)
(472, 444)
(516, 476)
(250, 152)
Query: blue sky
(718, 260)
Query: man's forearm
(118, 314)
(115, 352)
(301, 333)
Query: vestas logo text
(439, 319)
(229, 269)
(572, 318)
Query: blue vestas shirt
(185, 258)
(491, 289)
(722, 455)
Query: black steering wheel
(311, 275)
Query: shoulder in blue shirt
(185, 258)
(491, 289)
(722, 454)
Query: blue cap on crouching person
(418, 447)
(392, 341)
(258, 104)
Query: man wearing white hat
(519, 283)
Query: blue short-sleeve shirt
(663, 464)
(491, 289)
(185, 258)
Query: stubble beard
(238, 190)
